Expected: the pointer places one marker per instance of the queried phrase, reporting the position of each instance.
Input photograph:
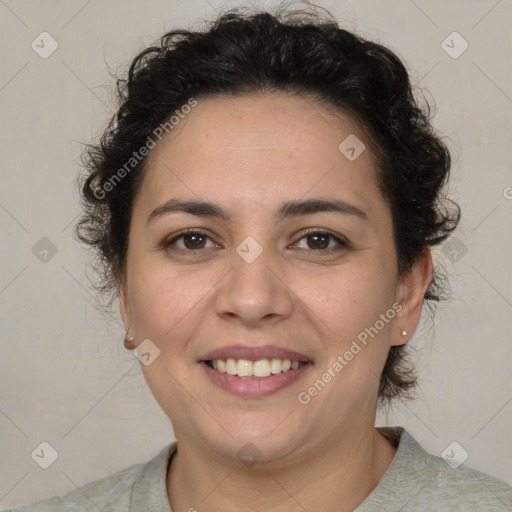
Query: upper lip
(253, 353)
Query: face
(269, 272)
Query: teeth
(275, 366)
(244, 368)
(261, 368)
(231, 366)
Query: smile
(251, 371)
(259, 369)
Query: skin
(250, 155)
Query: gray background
(65, 377)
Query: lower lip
(256, 386)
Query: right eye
(192, 241)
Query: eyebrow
(287, 210)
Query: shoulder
(464, 488)
(418, 481)
(141, 485)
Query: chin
(252, 436)
(252, 450)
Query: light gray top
(414, 481)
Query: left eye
(320, 240)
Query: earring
(404, 333)
(128, 341)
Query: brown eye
(318, 241)
(189, 240)
(321, 240)
(194, 241)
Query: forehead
(259, 150)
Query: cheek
(165, 302)
(347, 307)
(346, 300)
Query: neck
(336, 478)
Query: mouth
(247, 369)
(253, 372)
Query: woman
(264, 203)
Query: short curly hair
(292, 51)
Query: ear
(410, 294)
(124, 306)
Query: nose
(255, 293)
